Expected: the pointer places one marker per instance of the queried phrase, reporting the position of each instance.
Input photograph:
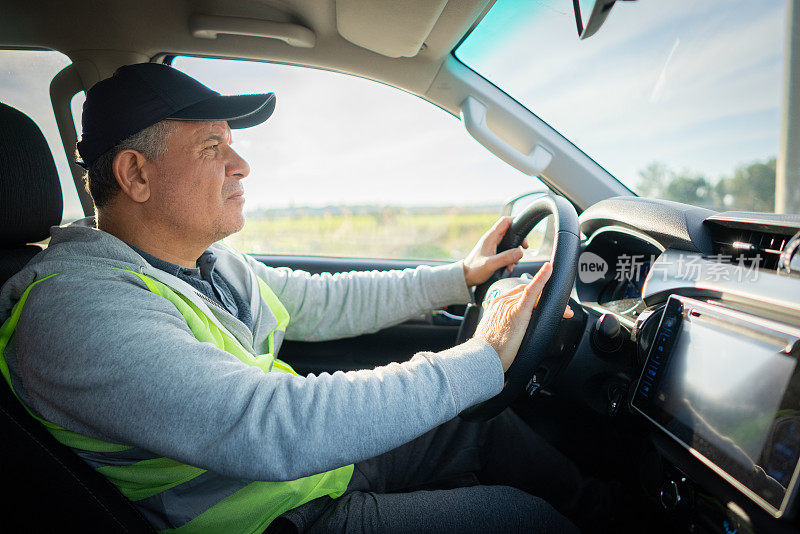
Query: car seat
(46, 488)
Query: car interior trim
(387, 27)
(209, 27)
(522, 130)
(627, 231)
(715, 279)
(64, 86)
(672, 224)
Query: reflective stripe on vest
(176, 497)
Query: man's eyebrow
(218, 137)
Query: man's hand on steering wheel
(506, 317)
(538, 329)
(483, 260)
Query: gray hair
(150, 142)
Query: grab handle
(473, 114)
(208, 27)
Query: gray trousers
(497, 476)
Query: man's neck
(150, 238)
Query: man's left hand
(484, 260)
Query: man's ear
(131, 171)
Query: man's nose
(237, 166)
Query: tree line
(751, 187)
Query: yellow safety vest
(181, 498)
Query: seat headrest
(30, 192)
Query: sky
(696, 86)
(339, 139)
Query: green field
(393, 233)
(382, 233)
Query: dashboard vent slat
(748, 248)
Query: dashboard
(695, 336)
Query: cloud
(653, 77)
(695, 86)
(340, 139)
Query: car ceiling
(400, 42)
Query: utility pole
(787, 179)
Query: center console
(724, 386)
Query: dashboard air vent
(761, 249)
(751, 239)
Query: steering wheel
(542, 330)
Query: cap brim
(241, 111)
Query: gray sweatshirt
(97, 353)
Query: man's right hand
(506, 317)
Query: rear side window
(25, 85)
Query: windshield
(678, 100)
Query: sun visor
(388, 27)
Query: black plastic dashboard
(638, 253)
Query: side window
(25, 85)
(350, 167)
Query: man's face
(196, 185)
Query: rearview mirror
(597, 15)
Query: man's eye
(212, 147)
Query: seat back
(37, 472)
(30, 194)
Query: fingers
(507, 258)
(497, 231)
(542, 276)
(492, 238)
(534, 289)
(502, 224)
(510, 266)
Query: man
(149, 347)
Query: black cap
(138, 96)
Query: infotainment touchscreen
(726, 385)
